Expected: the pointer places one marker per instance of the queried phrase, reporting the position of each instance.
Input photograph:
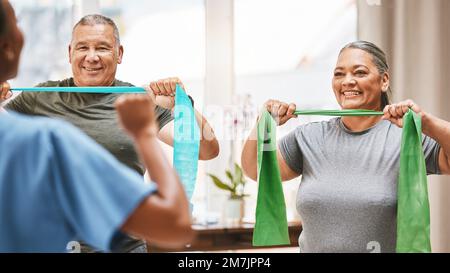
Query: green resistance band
(413, 209)
(413, 216)
(97, 90)
(341, 113)
(271, 227)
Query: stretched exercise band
(97, 90)
(341, 113)
(413, 215)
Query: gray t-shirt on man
(347, 197)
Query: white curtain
(415, 34)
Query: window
(47, 27)
(161, 39)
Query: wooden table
(216, 238)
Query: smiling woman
(367, 62)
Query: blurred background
(233, 55)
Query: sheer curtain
(415, 34)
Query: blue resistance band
(118, 89)
(186, 142)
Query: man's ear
(119, 57)
(70, 54)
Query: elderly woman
(348, 194)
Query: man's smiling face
(94, 55)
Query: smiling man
(94, 53)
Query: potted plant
(234, 208)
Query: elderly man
(94, 53)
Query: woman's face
(11, 44)
(357, 84)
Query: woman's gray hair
(380, 61)
(97, 19)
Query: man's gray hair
(97, 19)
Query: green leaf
(238, 175)
(219, 183)
(230, 176)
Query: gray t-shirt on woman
(347, 197)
